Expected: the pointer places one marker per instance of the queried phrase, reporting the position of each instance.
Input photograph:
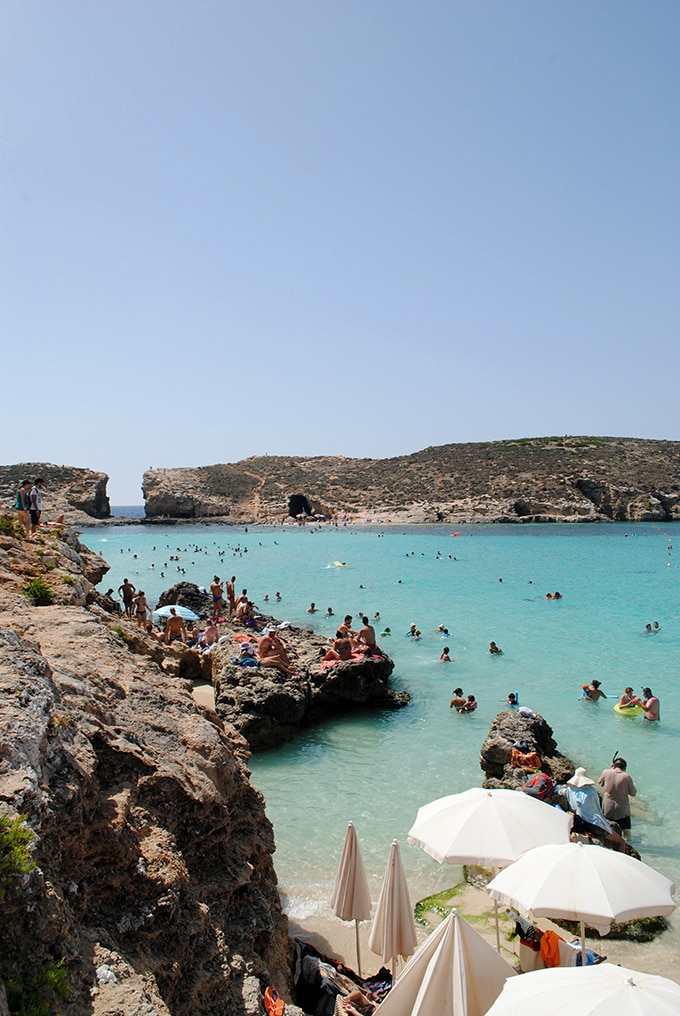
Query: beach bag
(273, 1003)
(540, 785)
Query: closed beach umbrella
(351, 899)
(487, 827)
(602, 990)
(589, 884)
(183, 612)
(394, 932)
(455, 972)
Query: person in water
(650, 704)
(445, 658)
(469, 706)
(628, 699)
(512, 700)
(592, 691)
(458, 700)
(494, 649)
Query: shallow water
(378, 768)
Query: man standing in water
(618, 788)
(650, 704)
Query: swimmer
(312, 608)
(648, 629)
(329, 612)
(628, 699)
(386, 633)
(411, 631)
(469, 706)
(494, 649)
(445, 658)
(592, 691)
(656, 626)
(650, 704)
(458, 700)
(512, 700)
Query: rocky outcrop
(152, 851)
(268, 706)
(531, 480)
(75, 493)
(508, 727)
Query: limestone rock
(77, 493)
(153, 852)
(508, 727)
(553, 479)
(268, 707)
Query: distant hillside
(531, 479)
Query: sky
(360, 227)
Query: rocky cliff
(537, 479)
(75, 493)
(153, 876)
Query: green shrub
(15, 855)
(120, 633)
(39, 592)
(37, 993)
(68, 580)
(11, 527)
(49, 565)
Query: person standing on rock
(22, 505)
(231, 595)
(217, 601)
(127, 591)
(35, 503)
(141, 608)
(618, 789)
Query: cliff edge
(153, 878)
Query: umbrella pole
(583, 944)
(498, 932)
(356, 932)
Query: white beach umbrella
(589, 884)
(455, 972)
(602, 990)
(394, 932)
(487, 827)
(351, 899)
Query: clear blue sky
(358, 228)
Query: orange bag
(273, 1003)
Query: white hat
(581, 779)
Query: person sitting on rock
(340, 650)
(272, 653)
(524, 757)
(584, 801)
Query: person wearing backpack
(22, 505)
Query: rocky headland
(150, 853)
(544, 479)
(79, 494)
(531, 480)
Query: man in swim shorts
(127, 590)
(231, 595)
(175, 629)
(216, 590)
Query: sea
(482, 583)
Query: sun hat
(581, 779)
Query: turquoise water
(377, 769)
